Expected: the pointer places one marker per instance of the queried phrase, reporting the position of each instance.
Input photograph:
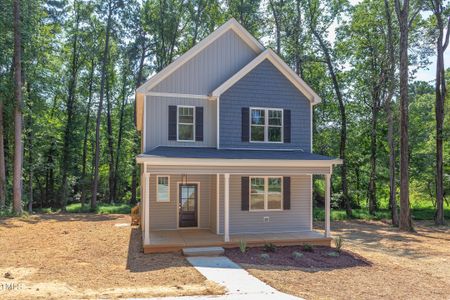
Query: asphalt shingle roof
(202, 152)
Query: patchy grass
(102, 208)
(423, 213)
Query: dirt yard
(404, 266)
(88, 256)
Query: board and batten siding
(209, 68)
(163, 215)
(298, 218)
(264, 86)
(156, 122)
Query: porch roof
(197, 160)
(213, 153)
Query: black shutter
(199, 123)
(245, 193)
(172, 123)
(286, 192)
(245, 124)
(287, 125)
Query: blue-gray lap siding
(264, 86)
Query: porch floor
(175, 240)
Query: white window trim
(266, 124)
(193, 122)
(168, 188)
(266, 194)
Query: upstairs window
(266, 125)
(185, 123)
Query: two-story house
(227, 148)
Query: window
(266, 125)
(266, 193)
(185, 124)
(162, 189)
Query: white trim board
(231, 24)
(280, 65)
(177, 95)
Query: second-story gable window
(266, 125)
(186, 123)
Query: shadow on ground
(137, 261)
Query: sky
(427, 73)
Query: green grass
(425, 213)
(102, 208)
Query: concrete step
(203, 251)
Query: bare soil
(317, 257)
(403, 265)
(88, 256)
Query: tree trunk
(100, 108)
(136, 144)
(109, 129)
(86, 135)
(342, 147)
(388, 103)
(440, 90)
(405, 213)
(119, 135)
(2, 161)
(68, 133)
(373, 156)
(18, 144)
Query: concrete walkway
(238, 282)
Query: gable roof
(231, 24)
(280, 65)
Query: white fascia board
(165, 161)
(231, 24)
(280, 65)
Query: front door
(188, 203)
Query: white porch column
(218, 204)
(147, 210)
(227, 207)
(327, 204)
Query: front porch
(175, 240)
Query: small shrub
(270, 247)
(243, 246)
(333, 254)
(264, 256)
(307, 248)
(338, 241)
(297, 255)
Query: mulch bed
(318, 257)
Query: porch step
(203, 251)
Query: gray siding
(209, 68)
(264, 86)
(298, 218)
(156, 125)
(163, 215)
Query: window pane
(275, 117)
(185, 132)
(274, 134)
(163, 188)
(186, 115)
(258, 133)
(257, 185)
(274, 201)
(258, 116)
(188, 198)
(257, 201)
(275, 185)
